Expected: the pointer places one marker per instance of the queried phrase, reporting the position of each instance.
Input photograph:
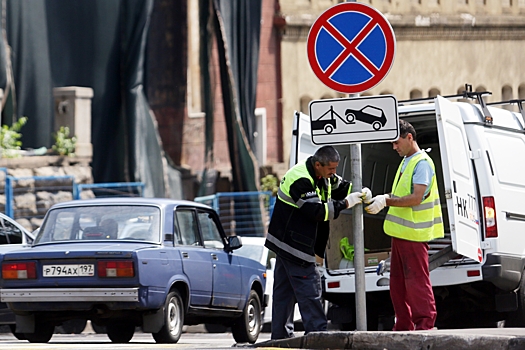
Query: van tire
(517, 318)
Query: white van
(476, 270)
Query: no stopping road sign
(351, 47)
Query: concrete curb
(428, 340)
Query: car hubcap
(252, 318)
(173, 316)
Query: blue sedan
(133, 262)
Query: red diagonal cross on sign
(352, 70)
(350, 48)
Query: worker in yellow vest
(413, 219)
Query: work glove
(367, 195)
(354, 198)
(378, 203)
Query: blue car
(133, 262)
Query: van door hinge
(448, 194)
(476, 154)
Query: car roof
(162, 202)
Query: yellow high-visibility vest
(423, 222)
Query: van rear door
(458, 175)
(302, 145)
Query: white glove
(336, 181)
(378, 203)
(354, 198)
(367, 195)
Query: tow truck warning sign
(354, 120)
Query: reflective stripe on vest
(299, 171)
(423, 222)
(291, 250)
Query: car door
(195, 259)
(227, 277)
(459, 181)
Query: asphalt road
(194, 338)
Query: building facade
(441, 45)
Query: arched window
(385, 92)
(481, 88)
(461, 89)
(433, 92)
(521, 92)
(416, 93)
(506, 95)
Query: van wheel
(173, 320)
(120, 331)
(517, 318)
(43, 333)
(246, 328)
(19, 336)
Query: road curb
(428, 340)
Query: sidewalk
(478, 339)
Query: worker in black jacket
(310, 194)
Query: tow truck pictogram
(368, 114)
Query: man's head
(406, 144)
(325, 161)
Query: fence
(30, 197)
(242, 213)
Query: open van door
(302, 145)
(458, 174)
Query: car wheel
(173, 320)
(376, 125)
(75, 326)
(43, 333)
(246, 328)
(19, 336)
(215, 328)
(120, 331)
(328, 129)
(350, 118)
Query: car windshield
(101, 223)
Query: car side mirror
(234, 242)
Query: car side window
(210, 232)
(187, 231)
(9, 233)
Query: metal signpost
(351, 48)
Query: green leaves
(10, 138)
(64, 145)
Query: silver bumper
(69, 294)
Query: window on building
(416, 94)
(433, 92)
(506, 95)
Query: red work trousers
(410, 287)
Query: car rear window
(96, 223)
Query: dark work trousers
(293, 282)
(410, 287)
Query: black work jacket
(299, 226)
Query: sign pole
(358, 235)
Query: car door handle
(185, 255)
(214, 257)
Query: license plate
(68, 270)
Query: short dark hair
(325, 155)
(406, 128)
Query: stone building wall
(33, 197)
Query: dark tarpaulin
(98, 44)
(238, 26)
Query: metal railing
(242, 213)
(31, 196)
